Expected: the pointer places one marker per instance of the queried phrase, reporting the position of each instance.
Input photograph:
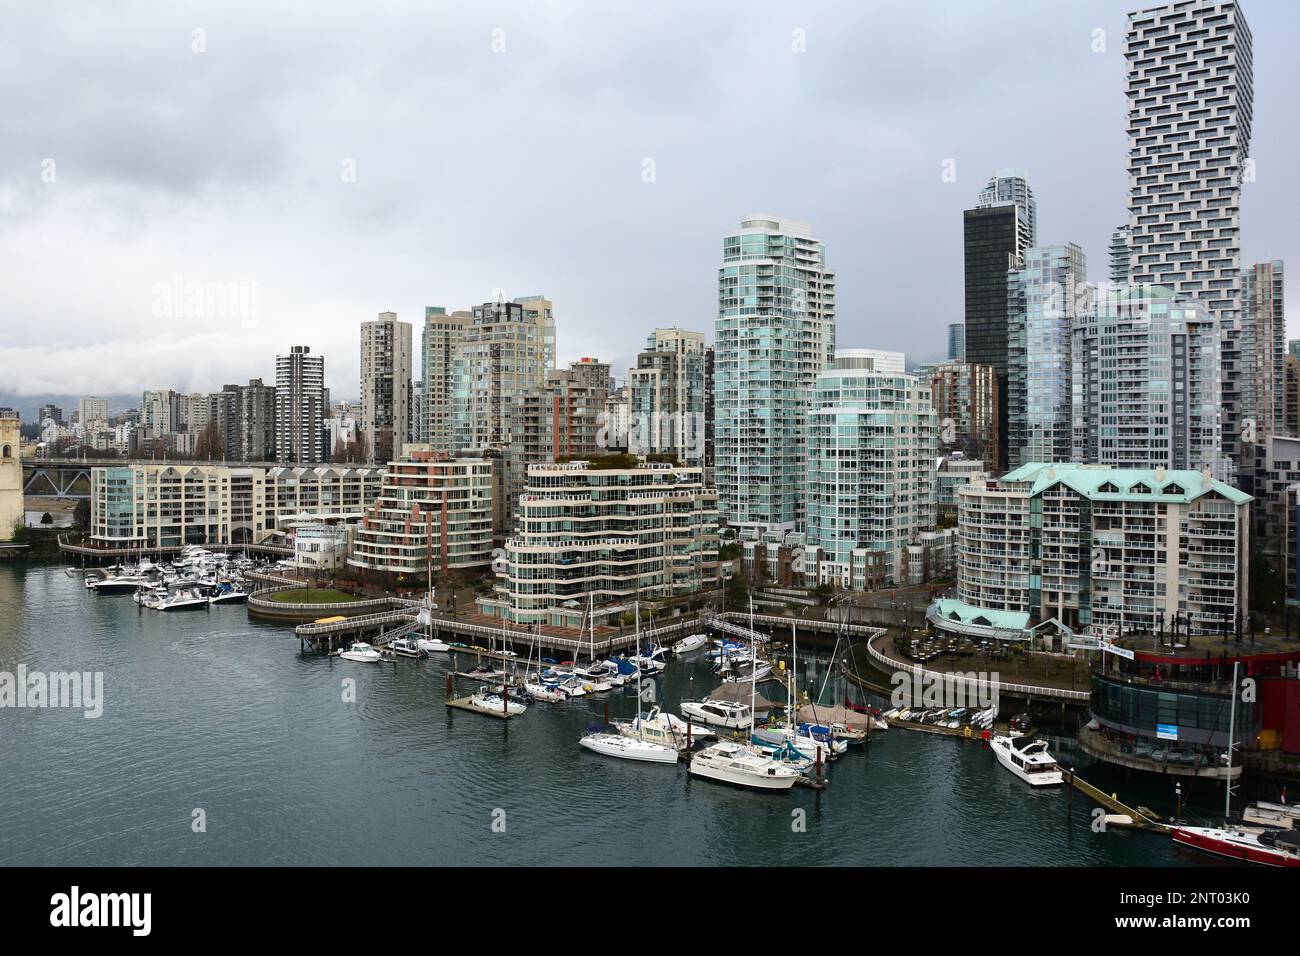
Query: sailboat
(430, 644)
(533, 685)
(742, 764)
(786, 743)
(631, 746)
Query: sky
(188, 189)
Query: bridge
(70, 477)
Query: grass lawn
(313, 596)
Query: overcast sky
(339, 160)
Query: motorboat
(1028, 759)
(628, 748)
(186, 599)
(227, 593)
(119, 583)
(691, 642)
(654, 659)
(362, 653)
(406, 647)
(495, 703)
(719, 713)
(1279, 816)
(433, 645)
(734, 763)
(1267, 848)
(747, 671)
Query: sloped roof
(955, 610)
(1088, 480)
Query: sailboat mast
(753, 667)
(637, 609)
(1232, 729)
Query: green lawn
(312, 596)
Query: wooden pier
(1143, 818)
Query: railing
(999, 686)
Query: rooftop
(1102, 482)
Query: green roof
(1106, 483)
(968, 614)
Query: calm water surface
(211, 710)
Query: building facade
(1119, 551)
(1045, 298)
(1146, 382)
(386, 385)
(433, 514)
(957, 342)
(775, 332)
(1190, 89)
(668, 395)
(872, 447)
(507, 349)
(965, 401)
(300, 401)
(443, 334)
(161, 506)
(609, 532)
(11, 473)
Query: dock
(966, 732)
(1143, 818)
(463, 703)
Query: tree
(47, 519)
(81, 514)
(210, 444)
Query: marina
(947, 802)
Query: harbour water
(210, 716)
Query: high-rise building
(996, 234)
(1010, 187)
(957, 342)
(256, 418)
(965, 401)
(1121, 251)
(49, 413)
(1190, 102)
(300, 400)
(668, 396)
(443, 334)
(157, 413)
(1293, 347)
(506, 351)
(1291, 416)
(872, 447)
(1262, 353)
(91, 410)
(1145, 382)
(1045, 297)
(386, 385)
(775, 333)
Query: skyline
(450, 230)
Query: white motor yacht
(1028, 759)
(362, 653)
(186, 599)
(719, 713)
(690, 643)
(734, 763)
(665, 729)
(433, 645)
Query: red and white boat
(1267, 848)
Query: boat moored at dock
(1028, 759)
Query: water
(212, 711)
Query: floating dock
(1143, 819)
(463, 703)
(966, 732)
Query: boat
(719, 713)
(186, 599)
(650, 740)
(1028, 759)
(653, 660)
(227, 593)
(119, 583)
(1269, 848)
(747, 671)
(432, 645)
(495, 703)
(628, 748)
(734, 763)
(362, 653)
(691, 642)
(543, 692)
(1277, 816)
(659, 727)
(406, 647)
